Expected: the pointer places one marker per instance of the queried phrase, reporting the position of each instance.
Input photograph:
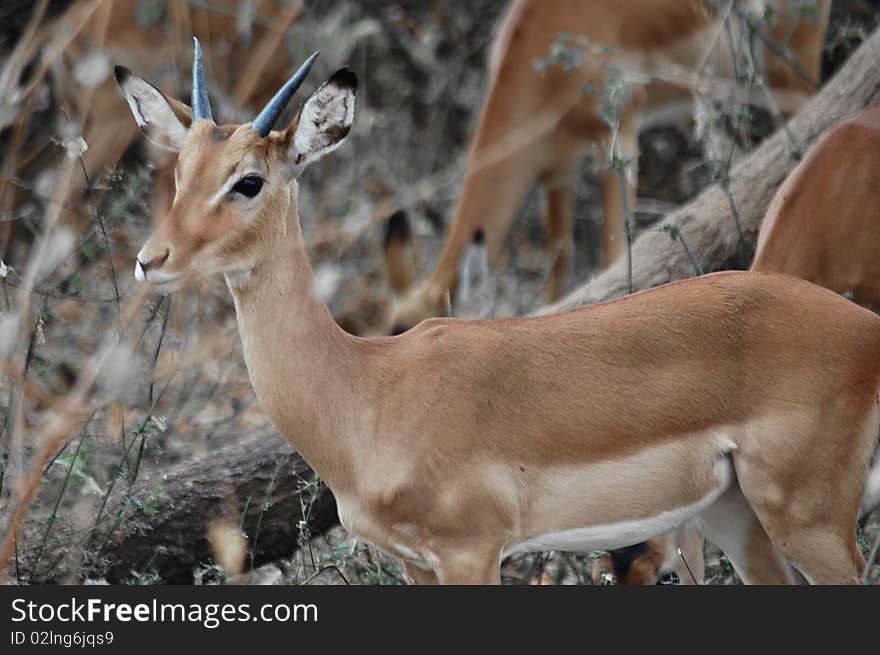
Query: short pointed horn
(266, 118)
(201, 106)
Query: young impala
(744, 402)
(535, 126)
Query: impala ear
(163, 120)
(323, 122)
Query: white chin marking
(139, 272)
(160, 277)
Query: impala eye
(248, 186)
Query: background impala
(536, 125)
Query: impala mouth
(156, 277)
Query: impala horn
(201, 106)
(266, 118)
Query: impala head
(233, 182)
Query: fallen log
(261, 477)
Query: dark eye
(248, 186)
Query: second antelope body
(745, 402)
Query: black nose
(398, 329)
(155, 262)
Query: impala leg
(615, 213)
(821, 543)
(419, 576)
(481, 567)
(812, 518)
(613, 239)
(559, 237)
(822, 553)
(691, 543)
(731, 523)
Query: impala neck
(304, 368)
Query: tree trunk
(707, 224)
(170, 538)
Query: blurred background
(157, 446)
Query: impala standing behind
(535, 126)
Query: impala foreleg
(620, 203)
(460, 566)
(416, 575)
(559, 237)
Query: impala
(822, 225)
(823, 221)
(535, 126)
(744, 402)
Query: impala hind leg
(690, 566)
(807, 498)
(814, 535)
(824, 553)
(733, 526)
(559, 237)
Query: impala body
(535, 126)
(824, 221)
(743, 402)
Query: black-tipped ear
(344, 78)
(397, 228)
(121, 73)
(323, 122)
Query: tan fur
(534, 127)
(823, 224)
(458, 441)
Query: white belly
(626, 533)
